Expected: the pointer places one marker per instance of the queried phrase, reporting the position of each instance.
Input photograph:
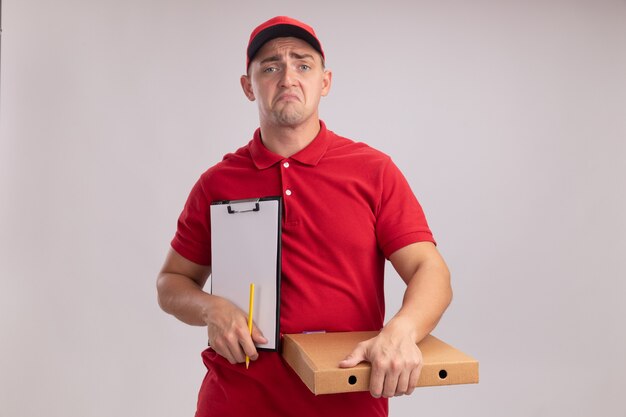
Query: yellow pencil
(250, 312)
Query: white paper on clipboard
(245, 249)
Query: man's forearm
(426, 298)
(183, 298)
(428, 291)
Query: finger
(223, 349)
(377, 380)
(413, 379)
(354, 358)
(391, 381)
(236, 350)
(257, 336)
(403, 382)
(247, 345)
(228, 345)
(248, 342)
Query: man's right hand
(227, 327)
(179, 287)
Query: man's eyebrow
(277, 58)
(298, 56)
(273, 58)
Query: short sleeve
(193, 233)
(400, 220)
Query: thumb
(354, 358)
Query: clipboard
(246, 248)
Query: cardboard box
(315, 358)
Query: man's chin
(289, 119)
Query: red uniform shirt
(346, 208)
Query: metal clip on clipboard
(255, 208)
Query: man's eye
(305, 67)
(270, 69)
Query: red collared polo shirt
(346, 208)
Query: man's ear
(246, 85)
(326, 82)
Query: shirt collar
(264, 158)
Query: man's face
(287, 78)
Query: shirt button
(286, 164)
(288, 192)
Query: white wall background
(507, 117)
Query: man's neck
(286, 140)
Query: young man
(346, 207)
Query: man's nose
(288, 77)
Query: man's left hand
(395, 358)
